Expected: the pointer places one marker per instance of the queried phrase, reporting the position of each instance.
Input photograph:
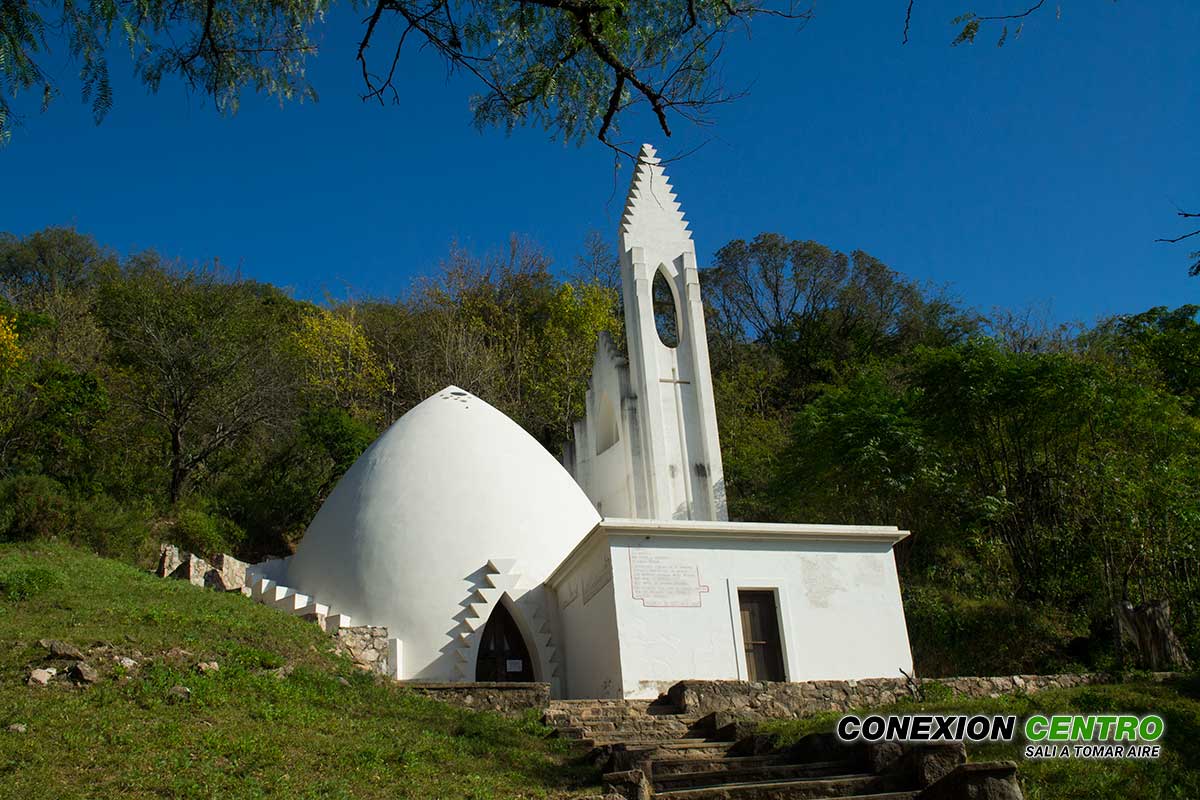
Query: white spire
(650, 206)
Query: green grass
(1175, 775)
(283, 717)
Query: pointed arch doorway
(503, 654)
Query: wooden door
(760, 633)
(503, 655)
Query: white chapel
(615, 573)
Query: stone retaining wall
(510, 699)
(367, 645)
(794, 700)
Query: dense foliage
(1045, 473)
(144, 400)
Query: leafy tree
(338, 364)
(52, 261)
(754, 434)
(504, 328)
(216, 47)
(190, 360)
(1168, 338)
(596, 262)
(859, 455)
(273, 498)
(48, 407)
(1032, 480)
(53, 411)
(571, 66)
(50, 275)
(1014, 428)
(395, 335)
(821, 312)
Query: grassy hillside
(282, 716)
(1175, 776)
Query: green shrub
(114, 530)
(23, 583)
(206, 534)
(935, 692)
(956, 635)
(33, 507)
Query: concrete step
(672, 766)
(656, 738)
(606, 736)
(600, 701)
(291, 601)
(633, 722)
(674, 749)
(676, 729)
(606, 715)
(753, 773)
(611, 707)
(571, 732)
(842, 786)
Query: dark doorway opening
(503, 655)
(760, 634)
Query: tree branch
(1184, 215)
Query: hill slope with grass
(282, 715)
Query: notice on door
(514, 665)
(664, 580)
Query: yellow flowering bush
(10, 350)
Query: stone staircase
(648, 749)
(368, 645)
(601, 723)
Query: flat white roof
(735, 531)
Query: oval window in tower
(666, 315)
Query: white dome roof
(405, 537)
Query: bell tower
(669, 375)
(647, 447)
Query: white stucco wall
(839, 602)
(612, 476)
(405, 537)
(588, 621)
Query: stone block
(192, 569)
(884, 756)
(629, 785)
(82, 672)
(39, 677)
(932, 762)
(227, 574)
(63, 650)
(994, 780)
(169, 560)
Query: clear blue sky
(1034, 174)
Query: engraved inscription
(661, 580)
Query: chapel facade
(617, 572)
